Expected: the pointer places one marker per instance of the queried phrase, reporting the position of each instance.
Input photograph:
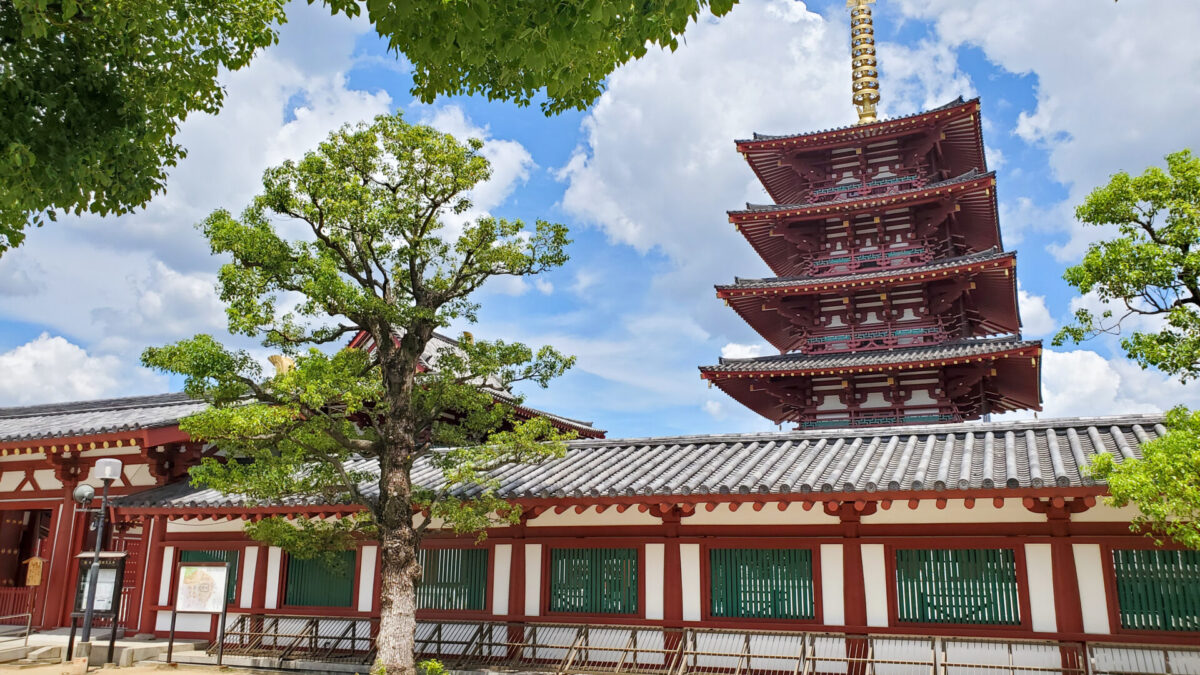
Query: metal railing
(648, 650)
(15, 627)
(300, 638)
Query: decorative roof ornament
(862, 49)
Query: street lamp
(107, 470)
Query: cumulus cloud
(1035, 318)
(1082, 383)
(50, 369)
(1121, 100)
(734, 350)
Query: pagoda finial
(862, 48)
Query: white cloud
(715, 409)
(737, 351)
(1082, 383)
(50, 369)
(511, 162)
(1113, 93)
(1035, 318)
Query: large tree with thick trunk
(350, 239)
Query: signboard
(33, 573)
(201, 588)
(109, 580)
(106, 589)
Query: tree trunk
(398, 602)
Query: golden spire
(862, 48)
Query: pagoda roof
(960, 351)
(959, 120)
(959, 102)
(851, 202)
(936, 269)
(945, 460)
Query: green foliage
(372, 257)
(1151, 269)
(93, 93)
(431, 667)
(1164, 484)
(512, 50)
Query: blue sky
(1072, 92)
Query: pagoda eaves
(970, 296)
(789, 166)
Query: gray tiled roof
(796, 361)
(944, 457)
(886, 273)
(772, 137)
(850, 197)
(84, 418)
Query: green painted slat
(761, 583)
(594, 580)
(312, 583)
(218, 556)
(966, 586)
(452, 579)
(1158, 590)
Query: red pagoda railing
(864, 189)
(875, 336)
(849, 262)
(875, 418)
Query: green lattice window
(314, 582)
(231, 557)
(761, 583)
(971, 586)
(452, 578)
(594, 580)
(1158, 590)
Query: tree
(92, 93)
(1152, 269)
(1164, 484)
(371, 203)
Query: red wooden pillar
(60, 579)
(1067, 605)
(516, 591)
(152, 553)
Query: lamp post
(107, 470)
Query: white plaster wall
(184, 623)
(368, 555)
(927, 511)
(769, 515)
(501, 573)
(1040, 569)
(274, 560)
(164, 583)
(689, 577)
(533, 579)
(47, 480)
(249, 569)
(9, 480)
(589, 518)
(186, 526)
(655, 554)
(1093, 597)
(1103, 513)
(875, 584)
(139, 474)
(832, 586)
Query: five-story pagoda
(895, 301)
